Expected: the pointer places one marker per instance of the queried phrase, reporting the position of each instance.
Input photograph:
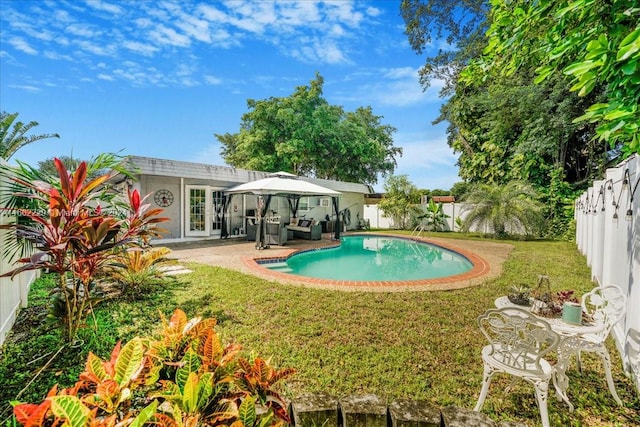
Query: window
(324, 202)
(304, 204)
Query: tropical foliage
(532, 87)
(504, 210)
(305, 135)
(15, 201)
(400, 200)
(75, 237)
(134, 269)
(434, 217)
(186, 377)
(594, 43)
(13, 134)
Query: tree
(595, 43)
(400, 200)
(507, 209)
(12, 134)
(74, 237)
(15, 199)
(508, 128)
(305, 135)
(461, 24)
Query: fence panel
(13, 292)
(608, 233)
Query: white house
(192, 196)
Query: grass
(420, 345)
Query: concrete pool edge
(482, 270)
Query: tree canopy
(13, 134)
(594, 43)
(400, 201)
(305, 135)
(532, 98)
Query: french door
(204, 211)
(198, 211)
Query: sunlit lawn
(422, 345)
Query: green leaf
(247, 411)
(205, 389)
(630, 67)
(129, 361)
(190, 393)
(190, 363)
(579, 68)
(144, 415)
(629, 45)
(543, 73)
(71, 409)
(94, 366)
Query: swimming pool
(365, 258)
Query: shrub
(184, 377)
(135, 268)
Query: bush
(184, 377)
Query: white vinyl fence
(608, 234)
(377, 219)
(13, 292)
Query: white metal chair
(606, 306)
(518, 342)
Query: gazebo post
(336, 209)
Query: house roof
(226, 175)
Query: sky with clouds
(160, 78)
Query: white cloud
(57, 56)
(423, 151)
(26, 87)
(104, 6)
(398, 87)
(102, 76)
(212, 80)
(82, 30)
(94, 48)
(141, 48)
(20, 44)
(164, 35)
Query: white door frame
(201, 215)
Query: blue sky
(160, 78)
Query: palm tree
(13, 139)
(513, 207)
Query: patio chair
(607, 306)
(518, 342)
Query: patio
(237, 254)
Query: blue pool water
(375, 258)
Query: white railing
(13, 292)
(608, 234)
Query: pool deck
(238, 254)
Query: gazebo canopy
(282, 184)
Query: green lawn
(422, 345)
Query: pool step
(282, 267)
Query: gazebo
(281, 184)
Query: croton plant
(185, 377)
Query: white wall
(611, 245)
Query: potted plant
(520, 294)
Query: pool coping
(481, 268)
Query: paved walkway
(240, 255)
